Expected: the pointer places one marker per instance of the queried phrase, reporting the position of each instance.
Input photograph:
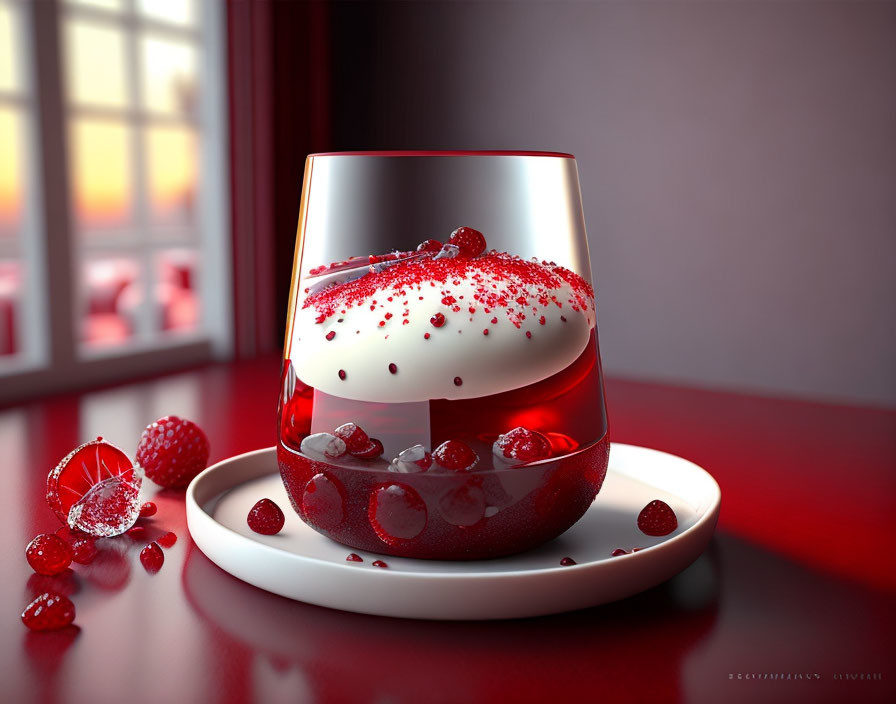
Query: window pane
(112, 293)
(10, 305)
(176, 298)
(95, 64)
(172, 160)
(11, 171)
(169, 76)
(103, 4)
(9, 65)
(181, 12)
(101, 172)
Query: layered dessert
(444, 402)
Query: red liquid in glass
(496, 509)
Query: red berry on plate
(48, 554)
(373, 450)
(172, 451)
(470, 242)
(455, 455)
(397, 513)
(522, 444)
(167, 540)
(94, 489)
(355, 439)
(148, 509)
(432, 246)
(266, 518)
(657, 518)
(152, 558)
(49, 612)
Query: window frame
(66, 364)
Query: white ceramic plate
(299, 563)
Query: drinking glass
(441, 397)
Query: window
(139, 258)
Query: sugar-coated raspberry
(172, 451)
(152, 558)
(455, 455)
(355, 439)
(522, 444)
(470, 242)
(49, 612)
(657, 518)
(48, 554)
(266, 517)
(148, 509)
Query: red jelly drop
(322, 502)
(342, 374)
(618, 551)
(567, 561)
(657, 518)
(330, 335)
(148, 509)
(393, 368)
(49, 612)
(352, 557)
(167, 540)
(137, 533)
(48, 554)
(152, 558)
(380, 564)
(266, 518)
(458, 381)
(396, 513)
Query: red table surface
(798, 582)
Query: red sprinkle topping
(542, 320)
(494, 321)
(331, 335)
(528, 334)
(438, 320)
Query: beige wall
(737, 160)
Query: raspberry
(167, 540)
(355, 439)
(432, 246)
(657, 518)
(265, 517)
(148, 509)
(95, 488)
(152, 558)
(172, 451)
(455, 455)
(522, 444)
(373, 450)
(396, 513)
(48, 554)
(49, 612)
(470, 242)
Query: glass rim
(413, 153)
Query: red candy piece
(84, 551)
(265, 517)
(49, 612)
(455, 455)
(433, 246)
(355, 439)
(172, 451)
(373, 450)
(657, 518)
(137, 533)
(618, 551)
(438, 320)
(48, 554)
(567, 562)
(104, 483)
(152, 558)
(524, 445)
(397, 513)
(380, 564)
(167, 540)
(352, 557)
(470, 242)
(148, 509)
